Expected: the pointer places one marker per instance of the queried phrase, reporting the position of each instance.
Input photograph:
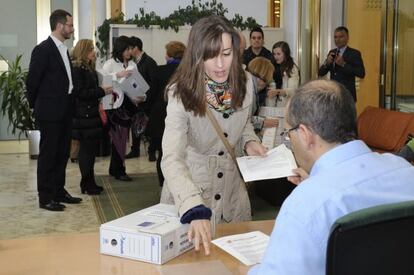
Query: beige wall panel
(364, 23)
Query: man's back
(345, 179)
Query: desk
(78, 254)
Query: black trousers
(55, 138)
(116, 166)
(157, 143)
(86, 158)
(136, 142)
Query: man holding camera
(344, 63)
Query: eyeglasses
(285, 134)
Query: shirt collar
(339, 154)
(57, 41)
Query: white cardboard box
(153, 235)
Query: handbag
(226, 143)
(102, 114)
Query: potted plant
(15, 105)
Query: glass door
(397, 55)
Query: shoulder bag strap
(220, 133)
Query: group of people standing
(65, 94)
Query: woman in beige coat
(200, 175)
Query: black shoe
(52, 206)
(123, 178)
(132, 154)
(90, 191)
(151, 157)
(67, 198)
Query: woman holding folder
(120, 118)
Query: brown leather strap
(220, 133)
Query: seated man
(344, 176)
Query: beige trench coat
(196, 165)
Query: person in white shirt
(120, 118)
(289, 73)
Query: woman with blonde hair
(200, 174)
(262, 70)
(87, 124)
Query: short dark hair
(136, 42)
(342, 29)
(256, 29)
(120, 45)
(326, 107)
(58, 16)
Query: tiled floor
(20, 215)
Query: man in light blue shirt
(344, 176)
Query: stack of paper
(272, 136)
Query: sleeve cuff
(200, 212)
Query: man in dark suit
(147, 67)
(156, 99)
(344, 63)
(49, 87)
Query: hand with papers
(278, 163)
(300, 175)
(124, 73)
(254, 148)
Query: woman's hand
(254, 148)
(124, 73)
(107, 89)
(137, 100)
(276, 92)
(300, 176)
(270, 123)
(200, 232)
(272, 92)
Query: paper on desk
(278, 163)
(248, 248)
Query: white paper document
(272, 111)
(278, 163)
(134, 85)
(248, 248)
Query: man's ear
(306, 136)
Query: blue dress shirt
(347, 178)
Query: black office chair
(376, 240)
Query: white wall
(154, 39)
(246, 8)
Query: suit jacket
(48, 83)
(147, 68)
(354, 66)
(157, 102)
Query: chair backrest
(376, 240)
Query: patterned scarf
(218, 95)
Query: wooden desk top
(78, 254)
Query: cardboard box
(153, 235)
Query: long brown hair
(80, 54)
(205, 42)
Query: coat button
(217, 197)
(220, 175)
(225, 115)
(220, 153)
(226, 135)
